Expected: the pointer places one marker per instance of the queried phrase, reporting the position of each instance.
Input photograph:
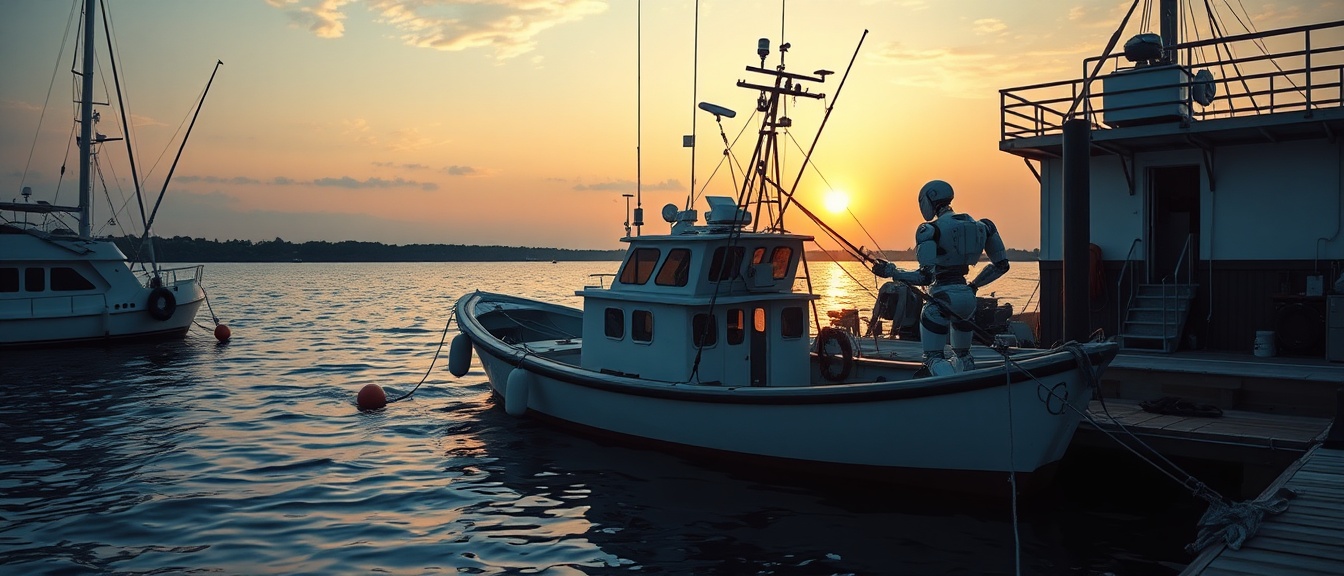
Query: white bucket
(1264, 343)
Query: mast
(1166, 18)
(86, 125)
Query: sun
(837, 201)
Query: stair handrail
(1168, 299)
(1120, 278)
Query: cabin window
(641, 326)
(34, 279)
(726, 262)
(614, 322)
(736, 326)
(779, 261)
(758, 320)
(758, 255)
(9, 279)
(704, 331)
(639, 266)
(65, 279)
(791, 322)
(675, 268)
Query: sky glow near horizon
(522, 122)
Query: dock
(1307, 539)
(1274, 409)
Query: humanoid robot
(946, 245)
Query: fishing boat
(702, 342)
(63, 286)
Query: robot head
(934, 196)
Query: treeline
(185, 249)
(908, 255)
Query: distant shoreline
(186, 249)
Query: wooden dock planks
(1305, 540)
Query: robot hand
(884, 269)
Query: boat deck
(1305, 539)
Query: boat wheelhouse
(1213, 196)
(714, 298)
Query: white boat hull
(97, 322)
(972, 422)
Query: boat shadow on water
(655, 510)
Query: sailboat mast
(86, 125)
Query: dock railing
(1297, 69)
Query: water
(251, 458)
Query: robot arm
(998, 257)
(920, 277)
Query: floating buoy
(222, 332)
(459, 355)
(372, 397)
(516, 390)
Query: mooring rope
(442, 339)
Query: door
(1173, 200)
(759, 360)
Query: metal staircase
(1156, 317)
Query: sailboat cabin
(709, 304)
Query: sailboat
(61, 286)
(701, 342)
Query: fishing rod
(923, 296)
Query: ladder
(1156, 317)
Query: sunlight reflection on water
(251, 457)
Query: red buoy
(372, 397)
(222, 332)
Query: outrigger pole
(159, 200)
(808, 158)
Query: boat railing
(1297, 69)
(1128, 295)
(170, 276)
(601, 280)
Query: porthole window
(791, 322)
(9, 279)
(704, 331)
(641, 326)
(34, 279)
(614, 323)
(736, 325)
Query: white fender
(516, 391)
(459, 355)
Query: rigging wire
(65, 37)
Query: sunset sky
(514, 122)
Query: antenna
(627, 213)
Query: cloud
(461, 171)
(322, 18)
(509, 27)
(620, 185)
(340, 182)
(353, 184)
(241, 180)
(988, 26)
